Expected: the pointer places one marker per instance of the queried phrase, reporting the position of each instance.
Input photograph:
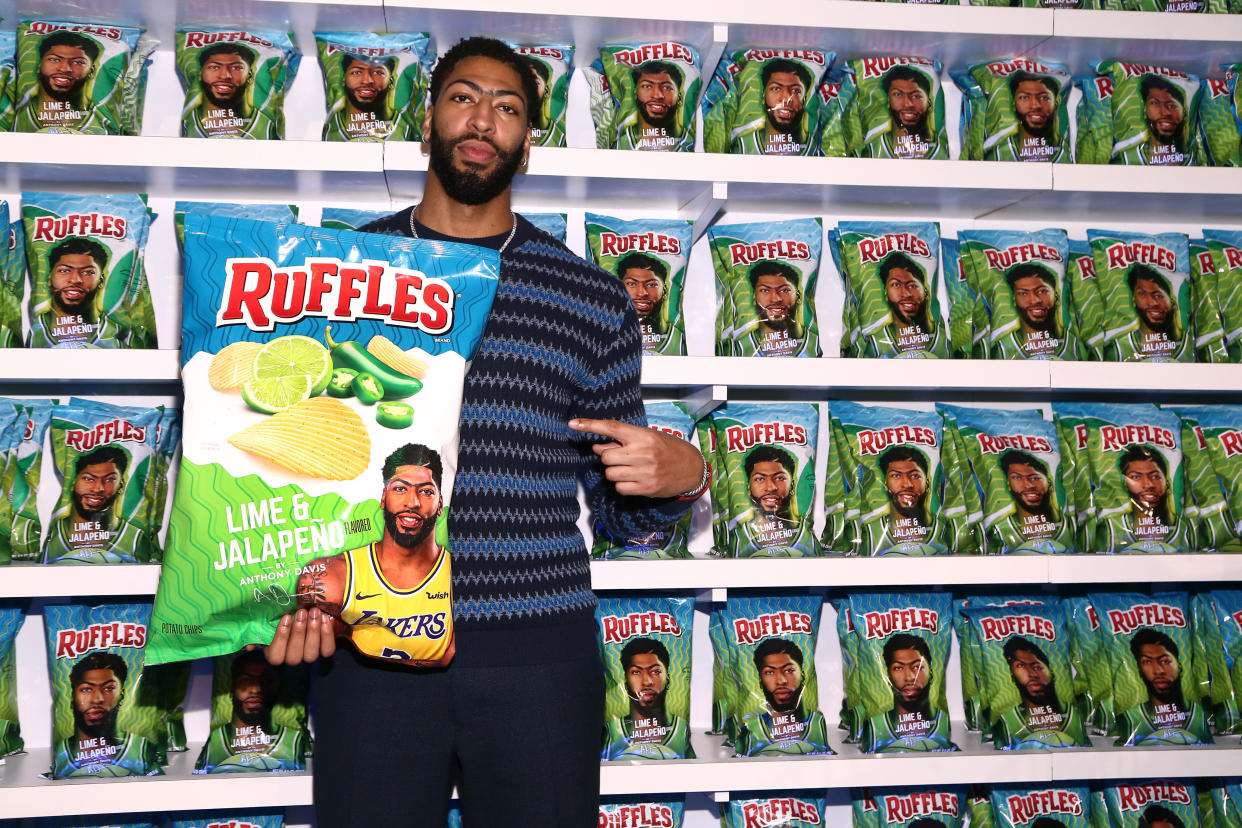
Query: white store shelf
(24, 580)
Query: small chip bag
(235, 81)
(1220, 429)
(892, 455)
(919, 807)
(769, 271)
(95, 658)
(375, 84)
(85, 256)
(1025, 110)
(769, 644)
(552, 65)
(1135, 804)
(897, 108)
(316, 434)
(1048, 806)
(12, 427)
(1154, 110)
(645, 647)
(891, 272)
(1208, 433)
(1094, 143)
(1226, 249)
(1144, 283)
(24, 475)
(1156, 698)
(645, 96)
(554, 224)
(11, 619)
(672, 541)
(902, 645)
(12, 277)
(346, 218)
(638, 812)
(1027, 680)
(1088, 304)
(258, 716)
(789, 809)
(1091, 643)
(768, 457)
(79, 78)
(1207, 320)
(1216, 630)
(649, 256)
(771, 107)
(1218, 122)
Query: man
(96, 747)
(646, 280)
(784, 727)
(77, 271)
(1164, 107)
(1035, 99)
(1038, 720)
(1158, 816)
(226, 108)
(649, 731)
(774, 286)
(366, 111)
(66, 69)
(910, 132)
(905, 290)
(391, 598)
(775, 527)
(1145, 473)
(551, 401)
(1160, 332)
(1164, 717)
(91, 531)
(786, 85)
(1038, 303)
(657, 100)
(249, 741)
(911, 722)
(909, 527)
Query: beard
(235, 102)
(776, 126)
(1161, 138)
(918, 128)
(101, 515)
(915, 511)
(655, 710)
(1041, 508)
(375, 105)
(260, 718)
(404, 539)
(1044, 131)
(1047, 698)
(1165, 327)
(794, 705)
(1172, 695)
(468, 186)
(783, 511)
(80, 308)
(920, 704)
(1045, 325)
(70, 94)
(664, 122)
(104, 729)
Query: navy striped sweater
(562, 341)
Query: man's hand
(643, 461)
(303, 637)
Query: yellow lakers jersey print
(414, 626)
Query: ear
(427, 123)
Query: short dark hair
(642, 261)
(640, 646)
(906, 73)
(390, 62)
(413, 454)
(1017, 643)
(765, 453)
(1029, 269)
(1047, 822)
(1015, 456)
(655, 67)
(785, 65)
(768, 267)
(244, 52)
(1136, 452)
(773, 646)
(898, 453)
(102, 454)
(543, 70)
(1142, 271)
(1159, 813)
(72, 39)
(900, 260)
(246, 658)
(77, 246)
(1147, 636)
(99, 660)
(497, 50)
(905, 641)
(1151, 82)
(1021, 77)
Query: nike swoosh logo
(358, 596)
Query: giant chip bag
(1155, 111)
(337, 433)
(235, 81)
(375, 84)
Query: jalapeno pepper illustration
(352, 355)
(367, 389)
(342, 379)
(394, 414)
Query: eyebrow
(496, 93)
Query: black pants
(521, 743)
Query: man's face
(1033, 103)
(411, 505)
(645, 289)
(907, 102)
(477, 130)
(656, 96)
(1035, 300)
(95, 697)
(645, 677)
(74, 280)
(63, 71)
(783, 101)
(909, 674)
(254, 689)
(769, 486)
(366, 84)
(907, 486)
(223, 77)
(1032, 677)
(905, 294)
(95, 488)
(1159, 668)
(782, 680)
(775, 297)
(1164, 114)
(1145, 482)
(1152, 303)
(1028, 485)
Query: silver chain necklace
(509, 238)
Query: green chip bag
(725, 683)
(1156, 697)
(1218, 122)
(902, 643)
(772, 106)
(1219, 427)
(649, 256)
(769, 271)
(8, 79)
(1226, 249)
(1026, 114)
(909, 807)
(100, 728)
(1094, 144)
(835, 96)
(768, 458)
(1144, 283)
(1208, 434)
(962, 302)
(24, 475)
(1087, 302)
(654, 91)
(1143, 803)
(1154, 110)
(375, 84)
(235, 81)
(552, 65)
(12, 277)
(258, 717)
(1212, 612)
(11, 619)
(12, 427)
(1095, 677)
(770, 809)
(1206, 317)
(1227, 608)
(1046, 806)
(863, 809)
(897, 108)
(645, 647)
(961, 505)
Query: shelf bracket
(704, 207)
(705, 399)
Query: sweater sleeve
(613, 393)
